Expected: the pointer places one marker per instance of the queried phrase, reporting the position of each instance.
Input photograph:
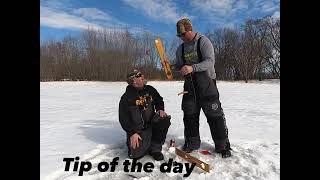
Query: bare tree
(225, 42)
(249, 52)
(272, 45)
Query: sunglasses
(182, 35)
(138, 75)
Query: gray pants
(152, 139)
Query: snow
(81, 119)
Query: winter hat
(133, 74)
(183, 25)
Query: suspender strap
(198, 50)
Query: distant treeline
(251, 51)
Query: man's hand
(172, 66)
(162, 113)
(186, 70)
(134, 140)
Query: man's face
(138, 80)
(186, 37)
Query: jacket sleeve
(158, 100)
(130, 118)
(207, 52)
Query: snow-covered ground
(81, 119)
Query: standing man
(142, 117)
(195, 60)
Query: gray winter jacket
(191, 57)
(200, 83)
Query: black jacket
(137, 107)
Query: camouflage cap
(132, 74)
(183, 25)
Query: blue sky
(70, 17)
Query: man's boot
(158, 156)
(191, 144)
(225, 153)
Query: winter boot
(187, 148)
(225, 153)
(158, 156)
(191, 144)
(228, 145)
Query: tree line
(251, 51)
